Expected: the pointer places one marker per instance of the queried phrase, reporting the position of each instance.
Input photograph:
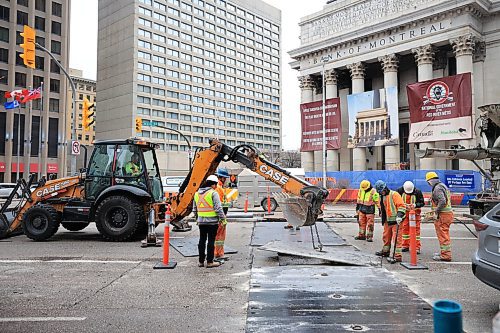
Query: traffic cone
(166, 263)
(412, 265)
(246, 202)
(268, 200)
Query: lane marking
(72, 261)
(452, 238)
(34, 319)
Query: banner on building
(312, 125)
(373, 118)
(440, 109)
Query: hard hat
(380, 185)
(364, 185)
(213, 178)
(222, 173)
(408, 186)
(430, 175)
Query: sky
(83, 53)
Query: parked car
(486, 260)
(6, 189)
(171, 184)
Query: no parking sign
(75, 148)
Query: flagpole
(40, 126)
(18, 138)
(30, 127)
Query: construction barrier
(166, 263)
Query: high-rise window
(22, 18)
(55, 85)
(4, 55)
(53, 134)
(20, 80)
(4, 13)
(39, 23)
(56, 28)
(56, 9)
(53, 105)
(40, 5)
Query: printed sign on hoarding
(440, 109)
(312, 125)
(373, 118)
(454, 181)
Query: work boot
(393, 260)
(201, 264)
(288, 226)
(297, 228)
(418, 251)
(369, 240)
(213, 264)
(382, 254)
(437, 257)
(360, 238)
(405, 249)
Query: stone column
(358, 86)
(307, 87)
(390, 64)
(463, 47)
(424, 56)
(332, 156)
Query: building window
(22, 18)
(4, 75)
(55, 85)
(4, 13)
(37, 81)
(53, 67)
(55, 47)
(53, 105)
(4, 55)
(39, 63)
(40, 5)
(53, 134)
(39, 23)
(3, 128)
(4, 34)
(20, 80)
(40, 40)
(56, 9)
(18, 132)
(56, 28)
(35, 135)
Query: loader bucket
(296, 210)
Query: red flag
(16, 94)
(32, 94)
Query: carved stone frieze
(389, 62)
(424, 54)
(357, 70)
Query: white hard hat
(213, 178)
(408, 186)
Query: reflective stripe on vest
(366, 198)
(392, 214)
(446, 208)
(413, 198)
(205, 204)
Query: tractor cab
(129, 165)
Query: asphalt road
(77, 282)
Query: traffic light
(138, 124)
(87, 114)
(28, 46)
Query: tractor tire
(41, 222)
(274, 204)
(118, 218)
(75, 226)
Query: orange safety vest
(393, 204)
(410, 199)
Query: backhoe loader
(125, 197)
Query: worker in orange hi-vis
(413, 199)
(366, 207)
(393, 211)
(220, 238)
(442, 214)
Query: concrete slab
(188, 246)
(342, 255)
(333, 299)
(265, 232)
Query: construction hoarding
(312, 125)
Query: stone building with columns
(369, 45)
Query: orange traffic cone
(165, 263)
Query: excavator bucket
(296, 210)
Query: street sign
(75, 148)
(455, 181)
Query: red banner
(312, 125)
(441, 109)
(2, 166)
(52, 168)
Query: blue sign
(459, 181)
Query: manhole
(356, 328)
(336, 296)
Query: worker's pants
(405, 229)
(442, 226)
(207, 233)
(366, 222)
(219, 241)
(389, 237)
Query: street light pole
(324, 126)
(184, 137)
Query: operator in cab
(133, 167)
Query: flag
(16, 94)
(32, 94)
(11, 105)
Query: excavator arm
(301, 202)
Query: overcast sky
(83, 53)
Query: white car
(6, 189)
(171, 184)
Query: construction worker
(133, 167)
(442, 215)
(209, 215)
(365, 209)
(222, 176)
(413, 199)
(393, 212)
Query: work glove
(223, 222)
(410, 206)
(399, 220)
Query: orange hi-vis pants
(442, 226)
(405, 228)
(366, 222)
(389, 237)
(219, 241)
